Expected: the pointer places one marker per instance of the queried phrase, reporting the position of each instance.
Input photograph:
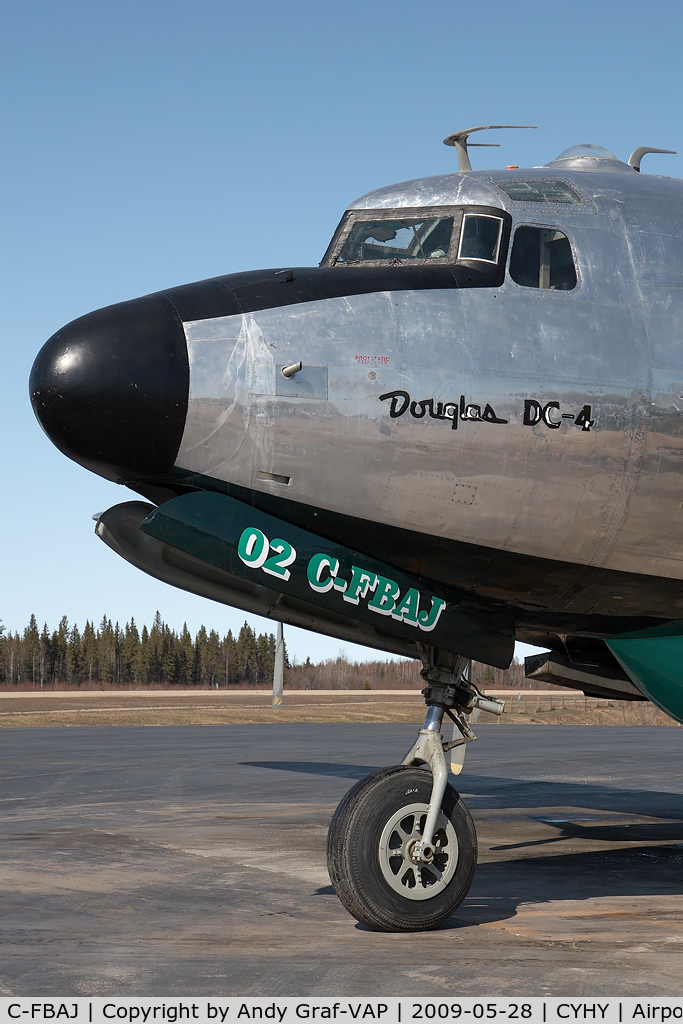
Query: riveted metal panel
(309, 382)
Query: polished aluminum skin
(609, 494)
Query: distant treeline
(488, 678)
(120, 656)
(340, 674)
(111, 656)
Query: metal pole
(279, 673)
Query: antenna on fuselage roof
(459, 140)
(638, 154)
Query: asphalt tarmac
(190, 860)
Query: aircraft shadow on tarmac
(645, 832)
(501, 886)
(487, 792)
(337, 771)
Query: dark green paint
(209, 525)
(653, 659)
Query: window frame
(546, 226)
(352, 217)
(480, 259)
(457, 213)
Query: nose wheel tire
(370, 852)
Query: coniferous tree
(105, 652)
(155, 651)
(246, 654)
(74, 656)
(200, 643)
(213, 657)
(144, 655)
(89, 650)
(169, 657)
(45, 656)
(59, 646)
(185, 657)
(229, 659)
(130, 653)
(265, 657)
(31, 651)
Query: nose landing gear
(402, 847)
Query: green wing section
(653, 659)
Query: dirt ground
(207, 707)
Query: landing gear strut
(402, 848)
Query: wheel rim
(401, 832)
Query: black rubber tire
(353, 851)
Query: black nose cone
(110, 389)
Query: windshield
(397, 240)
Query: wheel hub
(418, 853)
(414, 871)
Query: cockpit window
(438, 236)
(397, 241)
(542, 258)
(480, 238)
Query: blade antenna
(638, 154)
(279, 672)
(459, 140)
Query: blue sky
(152, 143)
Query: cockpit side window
(542, 258)
(480, 238)
(405, 239)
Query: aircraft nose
(110, 389)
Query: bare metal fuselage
(608, 496)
